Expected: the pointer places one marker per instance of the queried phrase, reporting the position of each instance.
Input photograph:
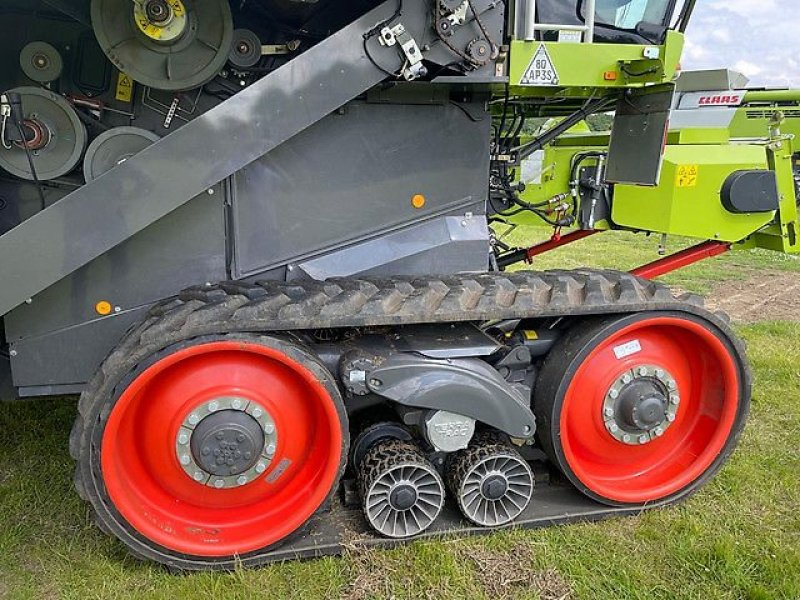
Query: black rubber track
(233, 309)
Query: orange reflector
(610, 75)
(418, 201)
(103, 308)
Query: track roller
(491, 482)
(402, 493)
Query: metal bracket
(398, 35)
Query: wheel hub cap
(227, 442)
(641, 405)
(494, 487)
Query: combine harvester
(262, 239)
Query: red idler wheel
(218, 449)
(642, 408)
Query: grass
(737, 539)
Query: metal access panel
(353, 177)
(59, 339)
(639, 136)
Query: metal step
(99, 216)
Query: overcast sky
(760, 38)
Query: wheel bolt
(219, 484)
(236, 404)
(675, 400)
(609, 412)
(260, 468)
(183, 439)
(185, 460)
(269, 428)
(643, 439)
(242, 480)
(213, 407)
(258, 413)
(626, 378)
(199, 476)
(271, 450)
(614, 394)
(194, 419)
(643, 372)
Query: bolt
(675, 400)
(375, 383)
(260, 468)
(13, 353)
(614, 428)
(643, 439)
(659, 431)
(609, 412)
(186, 460)
(271, 450)
(672, 385)
(242, 480)
(236, 404)
(527, 429)
(194, 419)
(213, 407)
(211, 192)
(626, 438)
(198, 476)
(660, 373)
(626, 378)
(614, 394)
(183, 439)
(219, 484)
(644, 372)
(671, 418)
(258, 413)
(269, 428)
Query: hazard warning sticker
(541, 71)
(687, 175)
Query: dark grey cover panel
(353, 175)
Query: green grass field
(737, 539)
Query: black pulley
(245, 50)
(172, 45)
(114, 147)
(41, 62)
(53, 134)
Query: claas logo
(721, 100)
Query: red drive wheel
(220, 448)
(644, 408)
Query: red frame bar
(682, 259)
(557, 241)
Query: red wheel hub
(708, 380)
(153, 491)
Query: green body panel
(582, 72)
(687, 202)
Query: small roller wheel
(402, 493)
(644, 408)
(491, 482)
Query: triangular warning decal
(541, 71)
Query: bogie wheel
(210, 452)
(645, 408)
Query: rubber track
(236, 309)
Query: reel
(114, 147)
(54, 135)
(171, 45)
(41, 62)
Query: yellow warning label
(687, 176)
(531, 336)
(124, 88)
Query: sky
(760, 38)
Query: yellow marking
(687, 176)
(124, 88)
(531, 336)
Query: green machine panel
(691, 204)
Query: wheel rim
(672, 458)
(160, 499)
(496, 490)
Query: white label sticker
(629, 349)
(541, 71)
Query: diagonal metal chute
(101, 215)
